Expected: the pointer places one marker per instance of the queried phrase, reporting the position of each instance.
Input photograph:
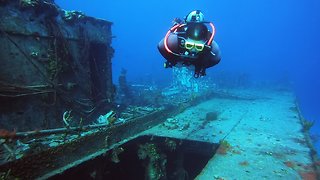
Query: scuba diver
(190, 42)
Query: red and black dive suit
(174, 49)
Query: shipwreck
(62, 116)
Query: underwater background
(267, 40)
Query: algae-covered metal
(52, 61)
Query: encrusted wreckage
(52, 61)
(58, 106)
(59, 117)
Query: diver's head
(194, 16)
(197, 31)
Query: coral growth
(171, 144)
(115, 154)
(224, 147)
(29, 3)
(171, 124)
(148, 150)
(289, 164)
(244, 163)
(71, 16)
(155, 161)
(308, 175)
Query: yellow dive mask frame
(190, 44)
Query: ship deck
(243, 134)
(261, 134)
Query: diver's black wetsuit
(209, 57)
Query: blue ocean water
(267, 39)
